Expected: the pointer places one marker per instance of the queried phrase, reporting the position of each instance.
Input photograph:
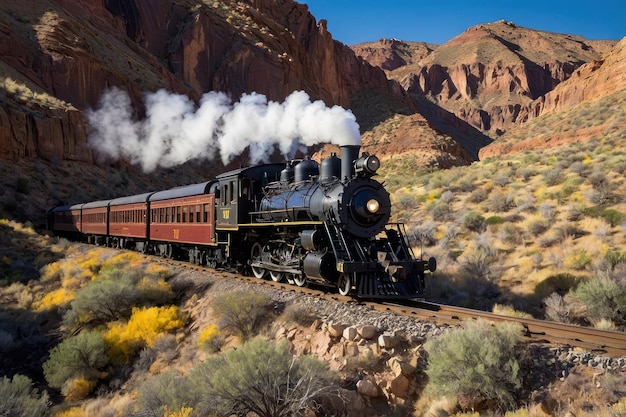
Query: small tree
(81, 356)
(476, 364)
(18, 398)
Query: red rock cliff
(73, 50)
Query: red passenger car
(95, 216)
(128, 219)
(184, 217)
(65, 220)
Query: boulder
(400, 367)
(388, 340)
(336, 330)
(368, 387)
(367, 331)
(350, 333)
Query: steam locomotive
(300, 222)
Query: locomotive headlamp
(372, 206)
(367, 165)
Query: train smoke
(175, 130)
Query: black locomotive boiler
(299, 222)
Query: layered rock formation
(73, 50)
(592, 81)
(490, 73)
(391, 54)
(596, 91)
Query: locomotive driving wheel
(276, 276)
(344, 284)
(255, 257)
(299, 280)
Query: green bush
(475, 365)
(260, 378)
(102, 301)
(474, 222)
(493, 220)
(81, 356)
(111, 297)
(167, 391)
(242, 312)
(604, 298)
(18, 398)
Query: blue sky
(438, 21)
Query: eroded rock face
(490, 74)
(73, 50)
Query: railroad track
(607, 342)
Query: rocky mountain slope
(594, 96)
(490, 74)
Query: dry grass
(542, 217)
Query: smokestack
(349, 154)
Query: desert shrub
(210, 339)
(612, 217)
(462, 366)
(144, 328)
(405, 202)
(494, 220)
(499, 202)
(77, 389)
(113, 294)
(423, 234)
(167, 391)
(18, 398)
(600, 182)
(242, 312)
(547, 211)
(102, 301)
(477, 259)
(298, 314)
(527, 173)
(447, 196)
(441, 211)
(262, 378)
(536, 225)
(510, 233)
(557, 308)
(502, 179)
(604, 298)
(474, 221)
(478, 196)
(80, 356)
(54, 299)
(614, 257)
(577, 260)
(553, 176)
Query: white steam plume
(176, 130)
